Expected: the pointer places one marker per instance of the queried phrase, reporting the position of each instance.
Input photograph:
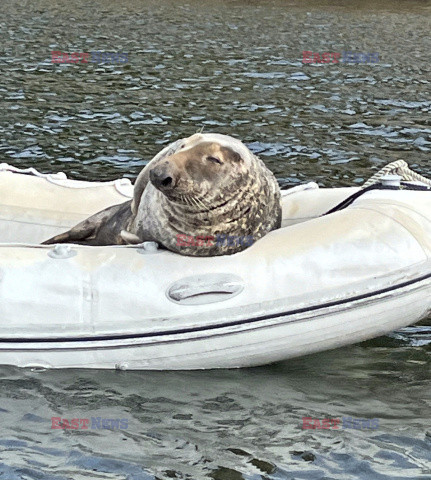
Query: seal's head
(203, 166)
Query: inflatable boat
(347, 265)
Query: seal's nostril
(166, 182)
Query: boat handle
(198, 290)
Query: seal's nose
(161, 178)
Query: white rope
(401, 168)
(5, 167)
(122, 185)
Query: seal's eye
(215, 160)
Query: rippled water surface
(233, 67)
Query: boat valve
(61, 251)
(148, 247)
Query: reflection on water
(233, 67)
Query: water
(243, 424)
(233, 67)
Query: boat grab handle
(201, 290)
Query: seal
(205, 195)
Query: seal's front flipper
(129, 237)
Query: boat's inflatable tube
(317, 283)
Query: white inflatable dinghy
(317, 283)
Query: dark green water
(233, 67)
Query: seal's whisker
(185, 200)
(196, 203)
(205, 207)
(192, 201)
(203, 202)
(189, 201)
(200, 204)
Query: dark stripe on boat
(218, 326)
(349, 200)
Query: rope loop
(401, 168)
